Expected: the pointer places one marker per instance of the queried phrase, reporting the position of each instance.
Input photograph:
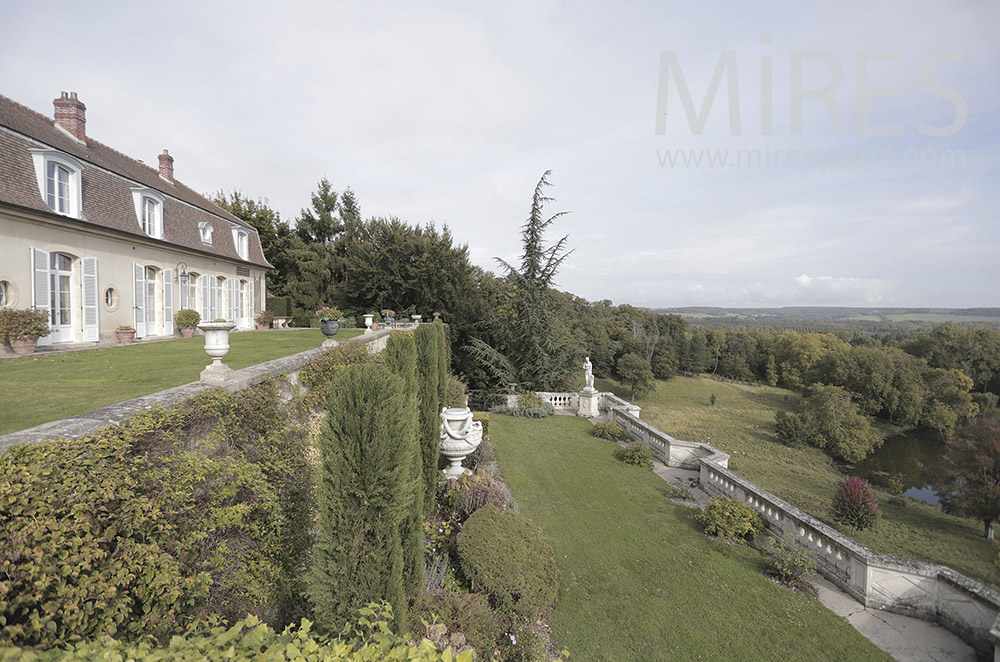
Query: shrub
(530, 405)
(454, 393)
(470, 493)
(484, 418)
(789, 563)
(248, 640)
(264, 318)
(84, 550)
(319, 375)
(856, 503)
(609, 431)
(279, 306)
(185, 317)
(731, 519)
(503, 555)
(18, 324)
(468, 613)
(637, 455)
(790, 428)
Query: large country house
(100, 240)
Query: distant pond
(916, 458)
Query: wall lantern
(182, 274)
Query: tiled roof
(106, 188)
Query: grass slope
(742, 424)
(637, 580)
(42, 388)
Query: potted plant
(23, 328)
(389, 315)
(263, 320)
(329, 320)
(186, 321)
(125, 334)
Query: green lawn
(39, 388)
(742, 424)
(637, 580)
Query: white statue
(588, 372)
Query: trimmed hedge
(279, 306)
(504, 555)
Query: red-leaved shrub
(856, 503)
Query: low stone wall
(91, 421)
(923, 590)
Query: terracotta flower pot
(125, 337)
(24, 345)
(187, 331)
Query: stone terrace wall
(91, 421)
(924, 590)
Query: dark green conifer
(429, 403)
(364, 497)
(400, 356)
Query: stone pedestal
(216, 373)
(589, 403)
(330, 342)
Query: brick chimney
(167, 166)
(71, 115)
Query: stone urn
(216, 346)
(368, 322)
(460, 436)
(416, 318)
(24, 345)
(329, 327)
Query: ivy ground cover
(41, 388)
(637, 580)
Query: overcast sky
(449, 112)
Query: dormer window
(242, 240)
(149, 211)
(205, 228)
(58, 178)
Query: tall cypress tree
(443, 367)
(364, 497)
(430, 406)
(400, 356)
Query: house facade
(100, 240)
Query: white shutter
(205, 297)
(232, 299)
(250, 313)
(91, 329)
(139, 307)
(213, 311)
(168, 302)
(40, 285)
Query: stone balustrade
(923, 590)
(562, 402)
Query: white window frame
(41, 159)
(205, 229)
(241, 239)
(140, 198)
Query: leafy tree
(972, 486)
(275, 234)
(522, 340)
(828, 419)
(635, 372)
(365, 496)
(696, 356)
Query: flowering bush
(856, 503)
(326, 312)
(17, 324)
(388, 313)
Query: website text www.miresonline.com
(819, 159)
